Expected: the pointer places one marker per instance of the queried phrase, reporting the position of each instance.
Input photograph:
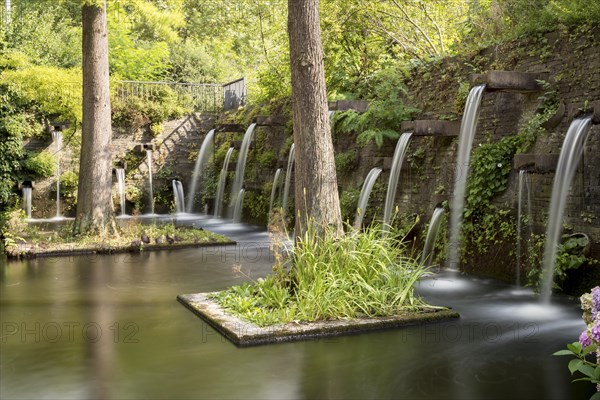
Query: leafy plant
(348, 203)
(68, 188)
(589, 369)
(346, 161)
(359, 274)
(40, 165)
(569, 256)
(386, 111)
(588, 342)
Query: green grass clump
(360, 274)
(14, 230)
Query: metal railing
(234, 94)
(207, 97)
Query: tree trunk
(315, 176)
(94, 200)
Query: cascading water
(276, 181)
(570, 155)
(239, 203)
(399, 154)
(288, 179)
(522, 176)
(365, 193)
(221, 187)
(57, 139)
(178, 196)
(150, 184)
(432, 233)
(465, 142)
(238, 181)
(204, 154)
(27, 201)
(120, 172)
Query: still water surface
(110, 327)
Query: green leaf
(582, 380)
(596, 396)
(589, 349)
(575, 347)
(587, 370)
(563, 353)
(574, 365)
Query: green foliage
(18, 122)
(51, 91)
(346, 161)
(385, 113)
(348, 203)
(569, 256)
(68, 188)
(582, 364)
(256, 206)
(45, 33)
(13, 227)
(40, 165)
(190, 62)
(267, 158)
(361, 274)
(494, 228)
(150, 112)
(490, 169)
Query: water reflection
(123, 335)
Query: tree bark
(94, 200)
(316, 190)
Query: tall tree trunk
(315, 176)
(94, 200)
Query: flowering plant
(589, 342)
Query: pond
(110, 327)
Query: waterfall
(238, 181)
(239, 203)
(121, 186)
(57, 139)
(288, 179)
(27, 201)
(178, 196)
(276, 182)
(465, 142)
(150, 189)
(432, 233)
(399, 154)
(365, 193)
(204, 154)
(222, 183)
(570, 156)
(522, 176)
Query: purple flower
(584, 339)
(595, 301)
(596, 332)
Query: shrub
(40, 165)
